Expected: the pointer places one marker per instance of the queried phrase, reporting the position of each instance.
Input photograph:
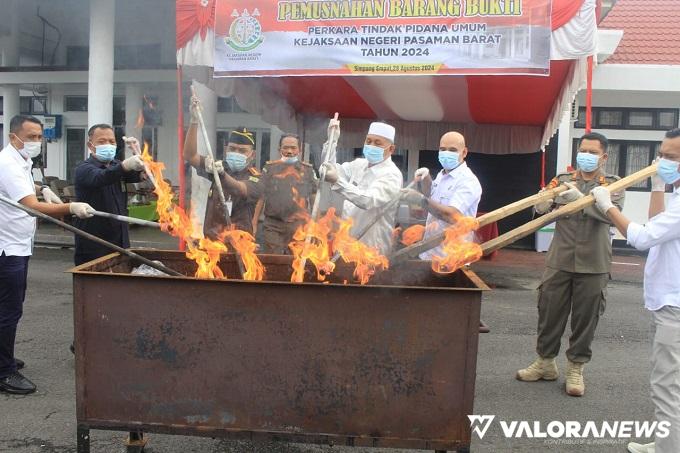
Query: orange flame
(457, 249)
(367, 259)
(413, 234)
(245, 245)
(175, 221)
(310, 242)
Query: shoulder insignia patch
(253, 178)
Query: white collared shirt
(661, 235)
(16, 182)
(458, 189)
(366, 190)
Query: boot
(634, 447)
(541, 368)
(575, 385)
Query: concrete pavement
(616, 380)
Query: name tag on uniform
(229, 205)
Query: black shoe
(72, 348)
(20, 363)
(16, 383)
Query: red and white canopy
(497, 113)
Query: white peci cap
(383, 130)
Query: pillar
(100, 75)
(10, 99)
(201, 186)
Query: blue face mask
(449, 160)
(289, 159)
(587, 162)
(235, 161)
(374, 154)
(105, 153)
(668, 171)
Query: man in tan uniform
(288, 186)
(577, 270)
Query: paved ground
(617, 379)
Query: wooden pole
(575, 206)
(412, 251)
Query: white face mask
(30, 149)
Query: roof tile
(650, 31)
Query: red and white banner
(381, 37)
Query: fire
(289, 170)
(412, 234)
(457, 249)
(245, 245)
(310, 242)
(175, 221)
(367, 259)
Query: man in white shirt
(455, 191)
(16, 238)
(661, 236)
(368, 184)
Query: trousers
(665, 377)
(561, 294)
(13, 275)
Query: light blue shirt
(458, 189)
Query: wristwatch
(425, 202)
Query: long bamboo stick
(575, 206)
(412, 251)
(91, 237)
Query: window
(630, 118)
(33, 105)
(626, 157)
(75, 103)
(228, 105)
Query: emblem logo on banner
(245, 32)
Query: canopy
(498, 113)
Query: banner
(381, 37)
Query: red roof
(650, 31)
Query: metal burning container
(389, 364)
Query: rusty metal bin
(390, 364)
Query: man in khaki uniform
(288, 186)
(577, 270)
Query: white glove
(603, 199)
(421, 174)
(133, 163)
(50, 197)
(333, 124)
(544, 206)
(210, 164)
(570, 195)
(81, 210)
(331, 173)
(658, 184)
(133, 144)
(412, 197)
(194, 108)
